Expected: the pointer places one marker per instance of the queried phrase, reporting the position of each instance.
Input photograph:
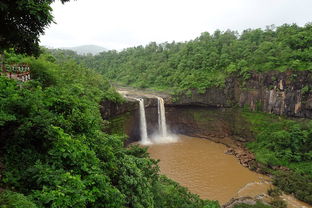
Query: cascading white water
(143, 129)
(163, 136)
(162, 118)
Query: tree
(22, 22)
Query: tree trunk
(2, 61)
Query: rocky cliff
(214, 113)
(110, 109)
(284, 93)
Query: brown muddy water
(202, 166)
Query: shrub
(10, 199)
(274, 192)
(278, 203)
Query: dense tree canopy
(207, 60)
(22, 22)
(56, 154)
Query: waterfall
(143, 129)
(162, 118)
(163, 136)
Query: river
(202, 166)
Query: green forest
(55, 151)
(55, 154)
(205, 61)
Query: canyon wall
(216, 113)
(283, 93)
(196, 121)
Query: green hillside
(209, 59)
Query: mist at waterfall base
(161, 135)
(157, 138)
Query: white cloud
(122, 23)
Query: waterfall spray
(162, 135)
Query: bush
(9, 199)
(294, 183)
(56, 154)
(284, 142)
(274, 192)
(170, 194)
(278, 203)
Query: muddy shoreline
(247, 159)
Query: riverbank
(237, 148)
(246, 158)
(192, 162)
(230, 126)
(202, 166)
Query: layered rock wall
(283, 93)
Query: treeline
(207, 60)
(53, 152)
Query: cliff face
(124, 117)
(288, 93)
(211, 114)
(283, 93)
(208, 122)
(111, 109)
(189, 120)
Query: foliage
(274, 192)
(56, 154)
(295, 183)
(284, 142)
(278, 203)
(22, 22)
(12, 58)
(280, 141)
(305, 89)
(171, 194)
(9, 199)
(206, 61)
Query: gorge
(280, 93)
(219, 121)
(213, 116)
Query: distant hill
(85, 49)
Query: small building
(20, 72)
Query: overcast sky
(117, 24)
